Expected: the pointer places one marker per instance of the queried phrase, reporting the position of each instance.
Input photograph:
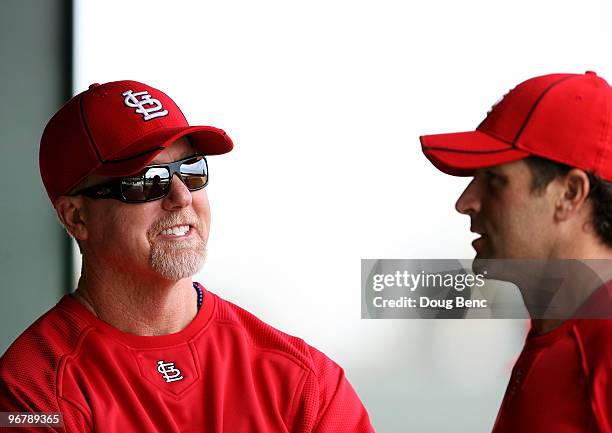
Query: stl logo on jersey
(168, 371)
(153, 110)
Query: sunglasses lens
(156, 182)
(153, 184)
(194, 173)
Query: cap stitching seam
(535, 105)
(602, 138)
(446, 149)
(83, 119)
(144, 152)
(93, 144)
(495, 136)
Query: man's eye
(494, 180)
(103, 191)
(492, 177)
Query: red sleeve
(328, 402)
(12, 399)
(601, 392)
(593, 338)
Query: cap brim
(206, 139)
(462, 153)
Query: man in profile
(541, 193)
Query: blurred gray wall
(35, 80)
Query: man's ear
(575, 188)
(71, 213)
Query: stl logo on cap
(131, 100)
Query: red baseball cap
(566, 118)
(115, 129)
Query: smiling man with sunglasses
(139, 346)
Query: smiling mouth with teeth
(176, 231)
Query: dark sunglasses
(153, 182)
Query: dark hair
(544, 171)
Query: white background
(325, 101)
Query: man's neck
(581, 279)
(542, 326)
(137, 305)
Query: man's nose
(468, 202)
(179, 195)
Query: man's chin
(479, 264)
(490, 267)
(504, 269)
(178, 264)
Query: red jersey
(225, 372)
(562, 381)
